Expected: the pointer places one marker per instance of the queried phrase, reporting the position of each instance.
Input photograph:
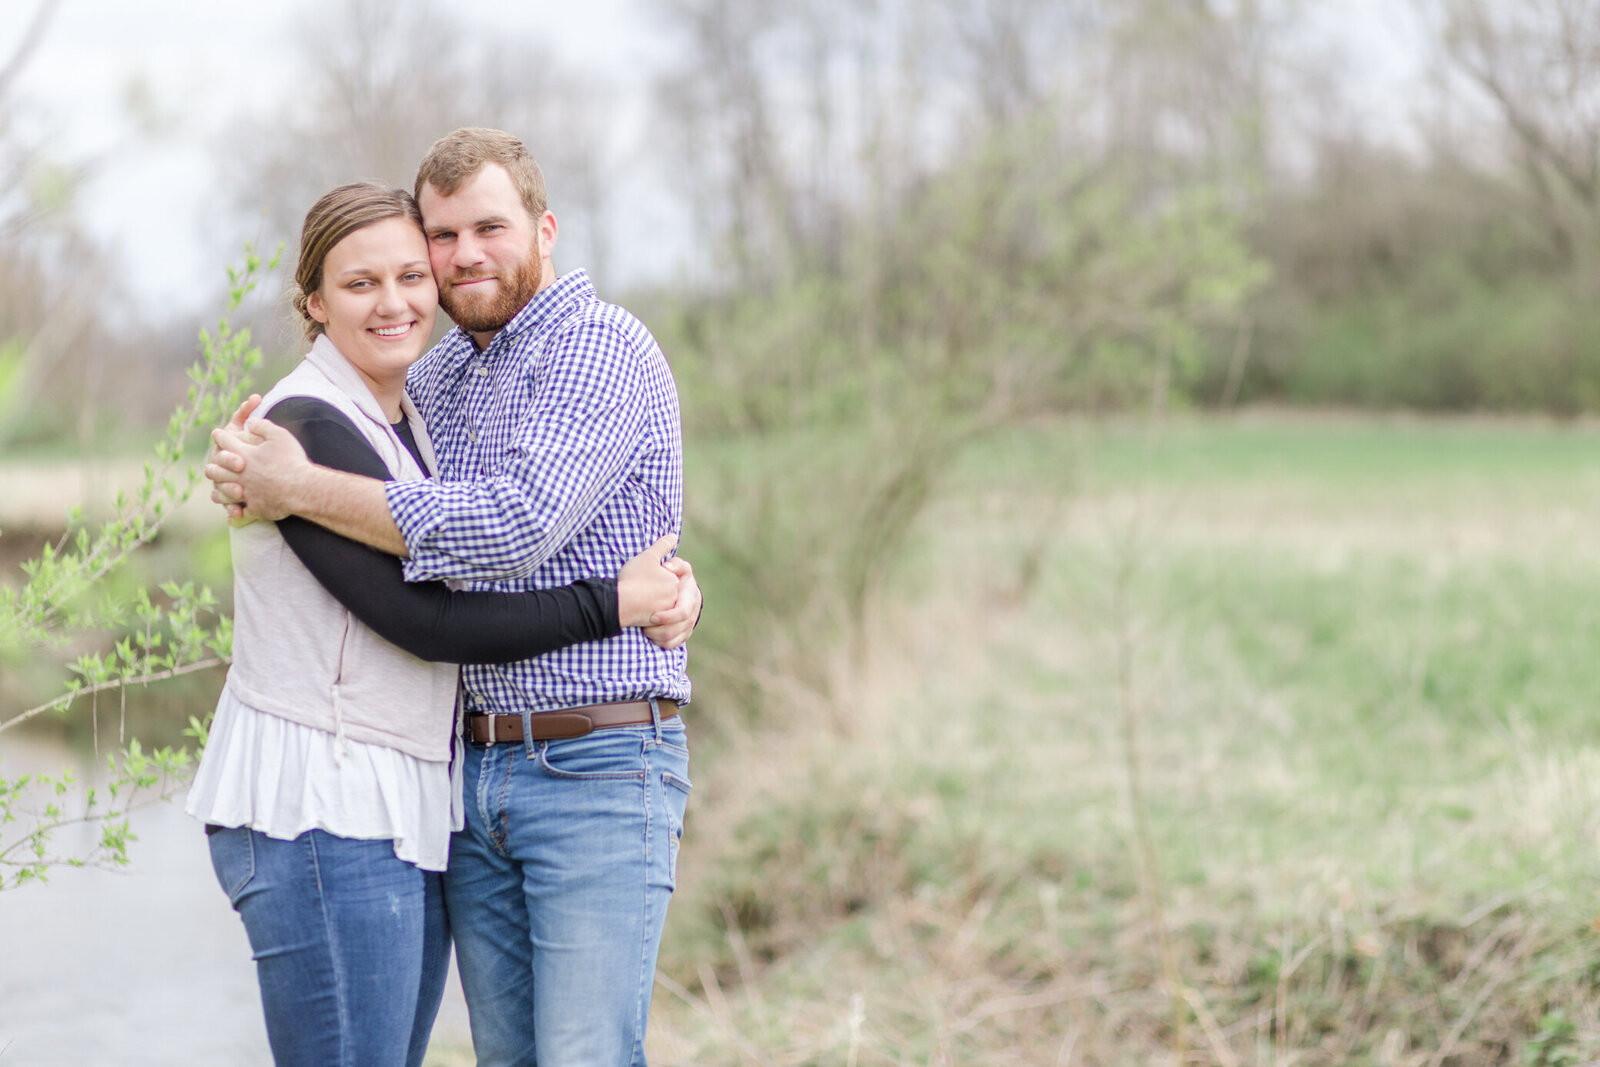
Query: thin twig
(65, 701)
(736, 943)
(1281, 1004)
(1027, 1002)
(1500, 974)
(168, 790)
(1208, 1024)
(700, 1007)
(26, 47)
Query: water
(147, 965)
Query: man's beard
(478, 314)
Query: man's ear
(547, 231)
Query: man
(555, 421)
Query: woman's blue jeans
(351, 944)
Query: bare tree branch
(29, 43)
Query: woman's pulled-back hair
(337, 215)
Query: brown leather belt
(486, 729)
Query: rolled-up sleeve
(582, 432)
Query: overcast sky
(202, 67)
(205, 66)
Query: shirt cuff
(418, 515)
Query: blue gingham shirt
(560, 456)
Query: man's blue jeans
(557, 890)
(351, 944)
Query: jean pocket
(674, 738)
(233, 858)
(676, 792)
(604, 755)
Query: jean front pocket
(233, 858)
(605, 755)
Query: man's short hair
(458, 156)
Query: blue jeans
(557, 891)
(351, 944)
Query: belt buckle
(487, 718)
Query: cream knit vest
(297, 653)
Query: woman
(326, 783)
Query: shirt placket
(483, 396)
(487, 685)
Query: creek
(145, 965)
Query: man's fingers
(673, 616)
(227, 493)
(262, 431)
(678, 566)
(244, 410)
(220, 473)
(224, 465)
(232, 438)
(230, 441)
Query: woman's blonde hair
(339, 213)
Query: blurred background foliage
(1009, 190)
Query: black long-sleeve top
(428, 619)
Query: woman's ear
(315, 309)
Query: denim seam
(646, 972)
(237, 888)
(500, 825)
(330, 940)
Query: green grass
(1264, 740)
(1350, 662)
(1337, 452)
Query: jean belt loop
(655, 717)
(531, 746)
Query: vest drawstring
(341, 744)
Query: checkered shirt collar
(548, 305)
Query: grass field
(1269, 740)
(1262, 741)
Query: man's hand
(672, 627)
(257, 469)
(226, 494)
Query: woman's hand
(645, 588)
(672, 627)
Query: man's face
(486, 254)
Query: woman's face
(377, 301)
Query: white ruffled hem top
(283, 778)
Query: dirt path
(35, 495)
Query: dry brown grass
(944, 869)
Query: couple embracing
(507, 502)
